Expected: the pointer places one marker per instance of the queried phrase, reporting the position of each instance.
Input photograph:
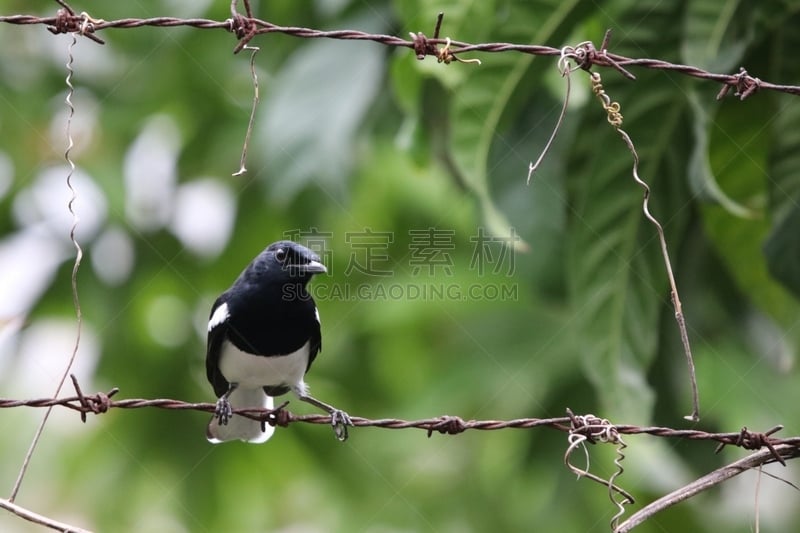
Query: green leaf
(713, 31)
(298, 117)
(782, 248)
(465, 121)
(489, 90)
(782, 251)
(784, 157)
(701, 177)
(739, 158)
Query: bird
(263, 334)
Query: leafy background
(353, 135)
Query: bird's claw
(339, 422)
(223, 412)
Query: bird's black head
(292, 259)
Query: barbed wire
(247, 27)
(581, 429)
(102, 402)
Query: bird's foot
(223, 412)
(339, 422)
(339, 419)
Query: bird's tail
(240, 427)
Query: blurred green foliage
(353, 136)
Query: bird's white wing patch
(316, 314)
(219, 316)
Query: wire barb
(97, 404)
(450, 425)
(66, 21)
(750, 440)
(244, 27)
(421, 46)
(424, 47)
(603, 58)
(744, 83)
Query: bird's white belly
(255, 371)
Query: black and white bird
(263, 334)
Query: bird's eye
(280, 255)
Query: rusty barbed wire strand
(102, 402)
(774, 449)
(245, 28)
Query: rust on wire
(744, 83)
(66, 21)
(750, 440)
(244, 27)
(424, 47)
(586, 56)
(450, 425)
(97, 404)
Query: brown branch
(712, 479)
(245, 27)
(36, 518)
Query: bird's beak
(314, 267)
